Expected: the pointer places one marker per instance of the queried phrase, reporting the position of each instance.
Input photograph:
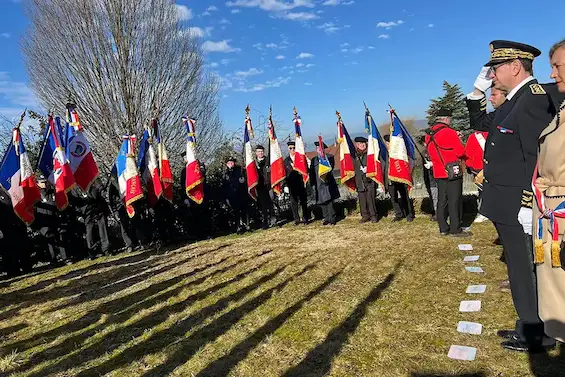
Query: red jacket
(447, 143)
(475, 150)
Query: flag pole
(392, 111)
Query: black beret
(444, 112)
(387, 138)
(503, 51)
(291, 143)
(317, 143)
(361, 139)
(259, 146)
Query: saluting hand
(483, 83)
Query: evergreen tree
(453, 99)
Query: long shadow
(130, 304)
(158, 339)
(472, 374)
(318, 361)
(546, 365)
(7, 331)
(35, 297)
(223, 365)
(163, 339)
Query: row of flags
(66, 161)
(400, 154)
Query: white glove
(428, 164)
(380, 190)
(525, 218)
(286, 189)
(241, 179)
(187, 202)
(364, 169)
(483, 83)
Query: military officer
(296, 187)
(510, 158)
(366, 187)
(263, 187)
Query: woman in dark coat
(326, 188)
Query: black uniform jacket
(511, 151)
(326, 189)
(362, 182)
(294, 179)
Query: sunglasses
(291, 148)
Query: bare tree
(123, 62)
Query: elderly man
(366, 187)
(549, 251)
(510, 158)
(235, 192)
(264, 187)
(296, 186)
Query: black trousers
(265, 205)
(99, 223)
(328, 212)
(299, 198)
(131, 229)
(449, 204)
(521, 273)
(367, 202)
(400, 199)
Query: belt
(539, 185)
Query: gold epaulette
(537, 89)
(527, 199)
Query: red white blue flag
(164, 164)
(128, 176)
(278, 172)
(401, 152)
(250, 166)
(149, 168)
(194, 178)
(346, 155)
(300, 163)
(376, 150)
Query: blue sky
(323, 55)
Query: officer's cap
(503, 51)
(259, 146)
(317, 143)
(291, 144)
(361, 139)
(387, 138)
(232, 159)
(444, 112)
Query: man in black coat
(510, 158)
(366, 187)
(131, 228)
(235, 192)
(326, 188)
(94, 210)
(296, 186)
(399, 196)
(15, 246)
(264, 187)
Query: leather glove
(428, 164)
(482, 82)
(525, 218)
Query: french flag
(401, 152)
(149, 168)
(278, 172)
(83, 165)
(164, 165)
(346, 155)
(300, 163)
(128, 176)
(376, 150)
(250, 166)
(54, 164)
(194, 178)
(18, 179)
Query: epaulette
(527, 199)
(537, 89)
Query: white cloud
(5, 35)
(370, 48)
(300, 65)
(337, 2)
(304, 55)
(271, 5)
(220, 46)
(310, 65)
(249, 72)
(344, 50)
(319, 11)
(390, 24)
(196, 31)
(211, 8)
(214, 65)
(431, 25)
(271, 45)
(299, 16)
(223, 21)
(412, 29)
(358, 49)
(224, 95)
(280, 57)
(16, 95)
(258, 87)
(183, 13)
(344, 45)
(234, 11)
(308, 83)
(225, 61)
(384, 36)
(206, 14)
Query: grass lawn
(350, 300)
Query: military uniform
(235, 192)
(326, 189)
(510, 158)
(263, 191)
(366, 187)
(297, 190)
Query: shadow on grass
(472, 374)
(318, 361)
(7, 331)
(128, 306)
(546, 365)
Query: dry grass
(351, 300)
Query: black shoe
(461, 234)
(396, 219)
(497, 241)
(433, 218)
(296, 222)
(265, 226)
(508, 334)
(363, 221)
(305, 221)
(410, 219)
(374, 220)
(518, 346)
(444, 233)
(240, 230)
(325, 222)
